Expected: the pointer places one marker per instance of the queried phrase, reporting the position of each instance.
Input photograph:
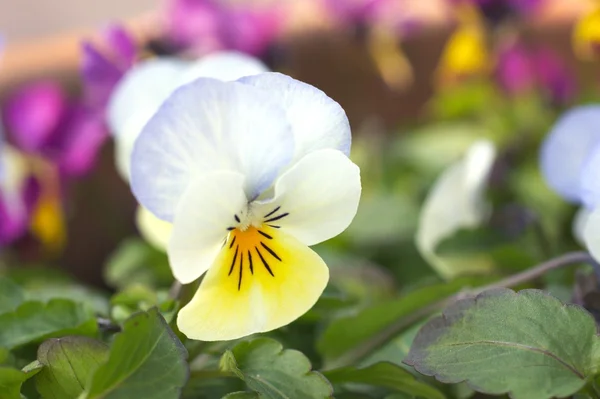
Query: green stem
(378, 340)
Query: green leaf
(135, 261)
(342, 334)
(146, 360)
(275, 373)
(241, 395)
(384, 374)
(36, 321)
(11, 380)
(11, 295)
(69, 363)
(528, 344)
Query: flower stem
(361, 351)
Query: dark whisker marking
(241, 270)
(273, 226)
(270, 251)
(234, 258)
(230, 228)
(264, 262)
(232, 242)
(250, 261)
(272, 212)
(237, 219)
(277, 217)
(262, 233)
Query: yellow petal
(393, 65)
(465, 54)
(48, 222)
(261, 280)
(155, 231)
(586, 35)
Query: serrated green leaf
(146, 360)
(11, 380)
(528, 344)
(342, 335)
(275, 373)
(386, 375)
(69, 362)
(11, 295)
(36, 321)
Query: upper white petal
(141, 91)
(135, 99)
(320, 195)
(224, 65)
(203, 215)
(318, 122)
(455, 201)
(204, 126)
(566, 149)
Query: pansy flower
(520, 69)
(141, 92)
(204, 26)
(456, 201)
(570, 161)
(586, 34)
(42, 120)
(19, 194)
(251, 173)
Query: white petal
(591, 234)
(319, 197)
(318, 121)
(205, 126)
(566, 148)
(155, 231)
(143, 88)
(589, 180)
(135, 99)
(579, 222)
(224, 65)
(454, 202)
(207, 208)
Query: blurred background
(420, 80)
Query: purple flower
(554, 75)
(515, 70)
(42, 121)
(207, 25)
(193, 23)
(33, 113)
(101, 71)
(520, 69)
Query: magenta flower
(520, 69)
(554, 75)
(102, 70)
(515, 70)
(208, 25)
(42, 120)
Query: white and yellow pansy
(456, 201)
(250, 173)
(139, 95)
